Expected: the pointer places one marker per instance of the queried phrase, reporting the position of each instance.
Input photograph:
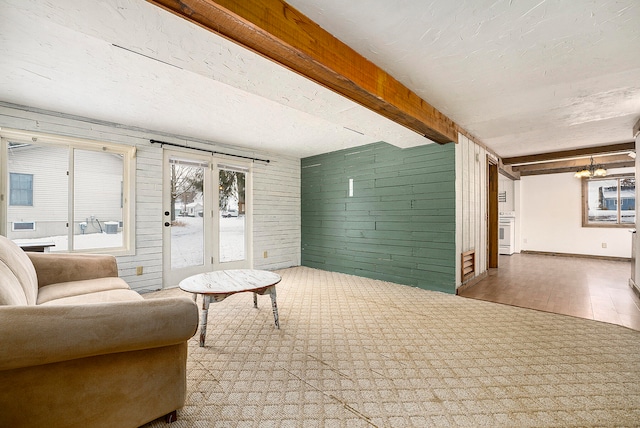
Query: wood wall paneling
(472, 199)
(398, 226)
(276, 213)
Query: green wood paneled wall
(398, 226)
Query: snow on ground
(187, 241)
(80, 242)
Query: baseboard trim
(473, 281)
(583, 256)
(635, 287)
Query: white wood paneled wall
(276, 214)
(276, 192)
(471, 203)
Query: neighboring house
(38, 182)
(194, 209)
(609, 198)
(190, 205)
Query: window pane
(97, 221)
(628, 200)
(603, 196)
(232, 211)
(20, 189)
(43, 220)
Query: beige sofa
(79, 348)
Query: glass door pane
(187, 213)
(232, 204)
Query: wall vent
(468, 264)
(23, 225)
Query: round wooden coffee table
(219, 285)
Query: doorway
(206, 215)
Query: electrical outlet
(265, 255)
(138, 270)
(524, 241)
(604, 245)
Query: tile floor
(582, 287)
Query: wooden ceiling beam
(277, 31)
(508, 171)
(609, 162)
(566, 154)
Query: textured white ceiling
(523, 76)
(132, 63)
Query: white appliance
(507, 233)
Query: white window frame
(72, 143)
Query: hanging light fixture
(592, 170)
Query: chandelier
(592, 170)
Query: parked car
(230, 213)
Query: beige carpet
(354, 352)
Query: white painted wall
(551, 219)
(471, 203)
(276, 209)
(505, 185)
(517, 208)
(512, 189)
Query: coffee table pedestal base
(207, 298)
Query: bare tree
(186, 182)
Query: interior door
(206, 215)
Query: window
(82, 191)
(21, 189)
(609, 201)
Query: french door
(206, 215)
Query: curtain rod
(164, 143)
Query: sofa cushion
(16, 266)
(79, 288)
(109, 296)
(54, 268)
(11, 292)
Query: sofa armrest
(52, 268)
(35, 335)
